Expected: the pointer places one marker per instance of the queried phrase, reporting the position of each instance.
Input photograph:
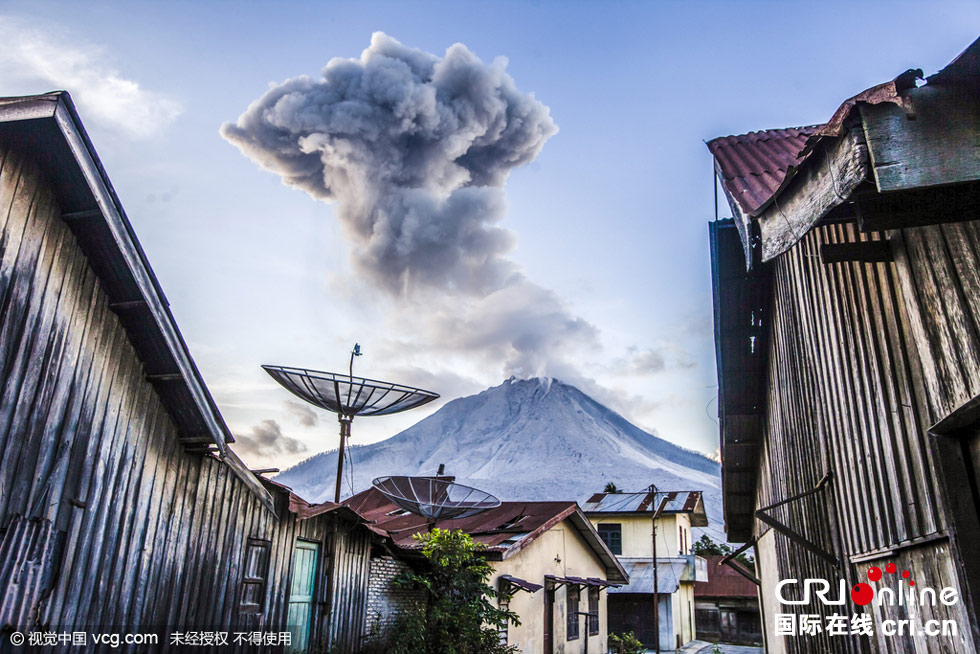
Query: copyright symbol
(16, 638)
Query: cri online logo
(863, 594)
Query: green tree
(458, 615)
(707, 547)
(610, 488)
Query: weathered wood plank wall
(847, 395)
(136, 532)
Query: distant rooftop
(647, 502)
(723, 581)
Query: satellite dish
(435, 499)
(348, 396)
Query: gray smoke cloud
(267, 440)
(301, 412)
(415, 148)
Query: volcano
(526, 439)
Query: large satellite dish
(348, 396)
(434, 498)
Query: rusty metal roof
(669, 575)
(723, 581)
(753, 165)
(498, 528)
(647, 502)
(504, 530)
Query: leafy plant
(458, 615)
(626, 643)
(707, 547)
(610, 488)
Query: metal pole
(344, 434)
(656, 593)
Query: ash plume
(415, 149)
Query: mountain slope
(526, 439)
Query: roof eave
(58, 119)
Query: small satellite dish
(435, 499)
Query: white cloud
(35, 60)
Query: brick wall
(384, 601)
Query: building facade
(122, 504)
(846, 325)
(550, 568)
(726, 608)
(625, 521)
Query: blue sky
(609, 220)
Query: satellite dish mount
(348, 396)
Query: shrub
(459, 615)
(626, 644)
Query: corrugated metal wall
(105, 518)
(845, 396)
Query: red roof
(753, 165)
(723, 581)
(499, 529)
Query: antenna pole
(656, 594)
(344, 435)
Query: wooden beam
(128, 304)
(73, 216)
(165, 377)
(938, 144)
(825, 181)
(864, 251)
(202, 438)
(919, 207)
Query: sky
(574, 247)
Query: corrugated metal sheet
(723, 581)
(88, 204)
(28, 556)
(753, 165)
(669, 575)
(504, 530)
(106, 520)
(499, 529)
(647, 502)
(963, 70)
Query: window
(255, 575)
(503, 603)
(594, 610)
(680, 539)
(612, 536)
(571, 621)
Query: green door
(301, 596)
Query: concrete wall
(636, 533)
(561, 551)
(683, 610)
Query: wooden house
(726, 608)
(847, 329)
(626, 522)
(550, 568)
(122, 504)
